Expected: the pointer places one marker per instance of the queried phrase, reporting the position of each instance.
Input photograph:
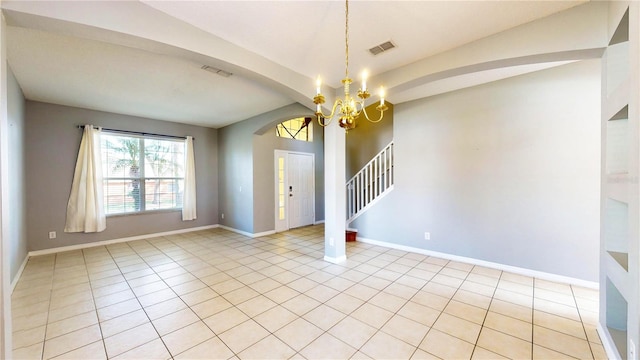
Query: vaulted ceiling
(145, 58)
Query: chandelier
(348, 107)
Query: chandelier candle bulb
(318, 85)
(348, 107)
(364, 81)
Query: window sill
(146, 212)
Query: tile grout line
(323, 303)
(235, 305)
(51, 301)
(361, 305)
(280, 304)
(586, 336)
(44, 339)
(495, 289)
(187, 305)
(93, 299)
(533, 318)
(382, 290)
(183, 256)
(138, 300)
(177, 296)
(586, 339)
(47, 317)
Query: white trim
(284, 225)
(264, 233)
(318, 222)
(369, 205)
(19, 273)
(607, 343)
(335, 260)
(245, 233)
(116, 241)
(513, 269)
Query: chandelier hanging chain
(350, 108)
(346, 40)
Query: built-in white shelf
(620, 206)
(617, 311)
(617, 143)
(617, 56)
(616, 231)
(617, 66)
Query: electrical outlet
(330, 241)
(632, 350)
(223, 215)
(52, 234)
(427, 236)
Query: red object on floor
(351, 235)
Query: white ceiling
(93, 66)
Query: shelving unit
(616, 232)
(620, 205)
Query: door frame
(283, 225)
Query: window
(141, 173)
(298, 129)
(281, 194)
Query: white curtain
(189, 198)
(85, 210)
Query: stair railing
(371, 182)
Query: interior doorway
(294, 189)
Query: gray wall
(246, 170)
(17, 195)
(53, 139)
(235, 175)
(368, 138)
(506, 172)
(264, 169)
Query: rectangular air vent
(379, 49)
(216, 71)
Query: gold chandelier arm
(320, 114)
(348, 105)
(322, 123)
(381, 108)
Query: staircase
(370, 184)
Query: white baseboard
(14, 282)
(513, 269)
(246, 233)
(116, 241)
(318, 222)
(607, 343)
(264, 233)
(335, 260)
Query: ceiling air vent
(379, 49)
(216, 71)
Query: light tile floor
(219, 295)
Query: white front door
(295, 190)
(301, 191)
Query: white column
(334, 193)
(5, 289)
